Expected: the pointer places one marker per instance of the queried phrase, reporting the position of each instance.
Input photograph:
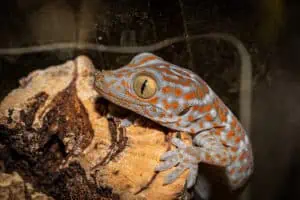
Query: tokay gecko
(179, 99)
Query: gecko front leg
(206, 148)
(122, 120)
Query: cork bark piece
(59, 139)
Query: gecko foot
(184, 157)
(123, 122)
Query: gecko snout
(102, 79)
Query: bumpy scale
(178, 99)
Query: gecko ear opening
(184, 111)
(144, 86)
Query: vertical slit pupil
(143, 86)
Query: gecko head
(151, 87)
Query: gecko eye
(144, 86)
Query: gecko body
(179, 99)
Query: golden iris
(144, 86)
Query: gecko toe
(166, 165)
(169, 154)
(178, 143)
(192, 177)
(170, 178)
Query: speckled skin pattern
(183, 102)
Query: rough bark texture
(54, 133)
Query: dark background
(268, 28)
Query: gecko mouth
(114, 99)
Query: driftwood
(54, 132)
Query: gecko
(180, 100)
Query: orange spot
(233, 123)
(205, 88)
(215, 102)
(243, 156)
(218, 132)
(154, 100)
(124, 83)
(208, 117)
(119, 75)
(215, 124)
(166, 104)
(205, 108)
(200, 92)
(230, 134)
(190, 118)
(237, 139)
(189, 96)
(192, 130)
(178, 92)
(233, 158)
(222, 114)
(178, 122)
(174, 105)
(194, 108)
(201, 124)
(166, 90)
(234, 149)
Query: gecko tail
(202, 187)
